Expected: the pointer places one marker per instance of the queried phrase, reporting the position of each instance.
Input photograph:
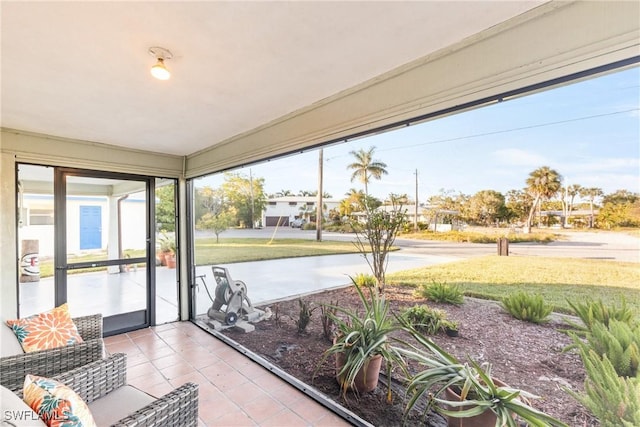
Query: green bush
(364, 280)
(425, 319)
(619, 341)
(527, 307)
(591, 312)
(614, 400)
(442, 292)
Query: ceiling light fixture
(159, 70)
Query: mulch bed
(522, 354)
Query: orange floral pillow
(51, 329)
(55, 403)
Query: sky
(588, 131)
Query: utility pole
(251, 190)
(415, 218)
(319, 207)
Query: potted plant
(167, 250)
(361, 343)
(450, 327)
(465, 393)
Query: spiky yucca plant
(479, 390)
(527, 307)
(614, 400)
(442, 292)
(591, 312)
(620, 342)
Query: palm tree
(364, 167)
(590, 194)
(572, 191)
(542, 184)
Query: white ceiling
(81, 69)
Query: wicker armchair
(48, 363)
(101, 380)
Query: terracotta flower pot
(170, 260)
(486, 419)
(367, 378)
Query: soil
(522, 354)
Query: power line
(497, 132)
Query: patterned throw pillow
(55, 403)
(51, 329)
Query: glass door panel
(36, 292)
(104, 267)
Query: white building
(282, 210)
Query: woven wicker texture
(177, 408)
(47, 363)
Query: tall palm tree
(572, 191)
(364, 167)
(542, 184)
(590, 194)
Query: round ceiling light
(159, 70)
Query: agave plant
(479, 392)
(360, 336)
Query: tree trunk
(531, 212)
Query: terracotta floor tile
(331, 420)
(310, 410)
(262, 409)
(211, 410)
(164, 327)
(165, 361)
(146, 380)
(140, 333)
(234, 420)
(233, 389)
(141, 370)
(171, 372)
(286, 394)
(284, 418)
(245, 393)
(116, 338)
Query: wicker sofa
(103, 386)
(15, 365)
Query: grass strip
(556, 279)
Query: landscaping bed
(522, 354)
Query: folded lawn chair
(15, 364)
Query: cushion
(15, 412)
(51, 329)
(9, 345)
(55, 403)
(118, 404)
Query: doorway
(95, 247)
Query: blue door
(90, 227)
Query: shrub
(425, 319)
(304, 316)
(527, 307)
(591, 312)
(364, 280)
(327, 314)
(620, 342)
(614, 400)
(442, 292)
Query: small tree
(375, 237)
(218, 223)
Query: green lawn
(556, 279)
(239, 250)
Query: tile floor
(234, 390)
